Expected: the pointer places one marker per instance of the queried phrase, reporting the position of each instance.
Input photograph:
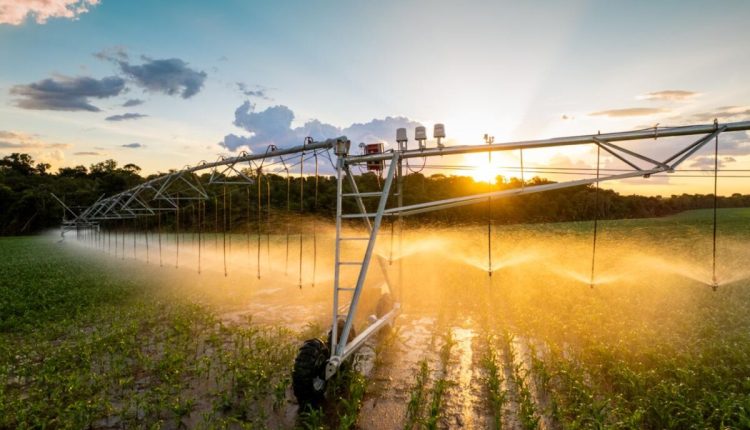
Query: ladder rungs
(354, 238)
(367, 215)
(350, 263)
(367, 194)
(346, 289)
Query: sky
(168, 84)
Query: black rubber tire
(309, 366)
(385, 305)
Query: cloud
(670, 95)
(133, 102)
(125, 116)
(89, 153)
(626, 112)
(259, 91)
(115, 54)
(708, 161)
(66, 93)
(735, 143)
(11, 141)
(15, 12)
(133, 145)
(24, 141)
(32, 145)
(169, 76)
(274, 126)
(9, 135)
(724, 113)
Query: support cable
(229, 220)
(301, 209)
(288, 213)
(146, 234)
(596, 218)
(315, 220)
(260, 225)
(489, 216)
(248, 220)
(122, 225)
(268, 221)
(201, 219)
(714, 283)
(158, 227)
(523, 180)
(177, 233)
(216, 223)
(224, 227)
(135, 229)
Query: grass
(84, 345)
(497, 395)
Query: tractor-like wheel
(308, 375)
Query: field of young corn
(92, 341)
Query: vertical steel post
(337, 251)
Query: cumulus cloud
(708, 161)
(668, 95)
(24, 141)
(735, 143)
(32, 145)
(133, 102)
(258, 91)
(125, 116)
(169, 76)
(11, 141)
(274, 126)
(627, 112)
(66, 93)
(724, 113)
(15, 12)
(134, 145)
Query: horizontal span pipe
(557, 141)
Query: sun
(484, 171)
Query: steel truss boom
(135, 201)
(651, 133)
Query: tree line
(28, 207)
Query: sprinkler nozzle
(714, 284)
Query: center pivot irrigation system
(318, 361)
